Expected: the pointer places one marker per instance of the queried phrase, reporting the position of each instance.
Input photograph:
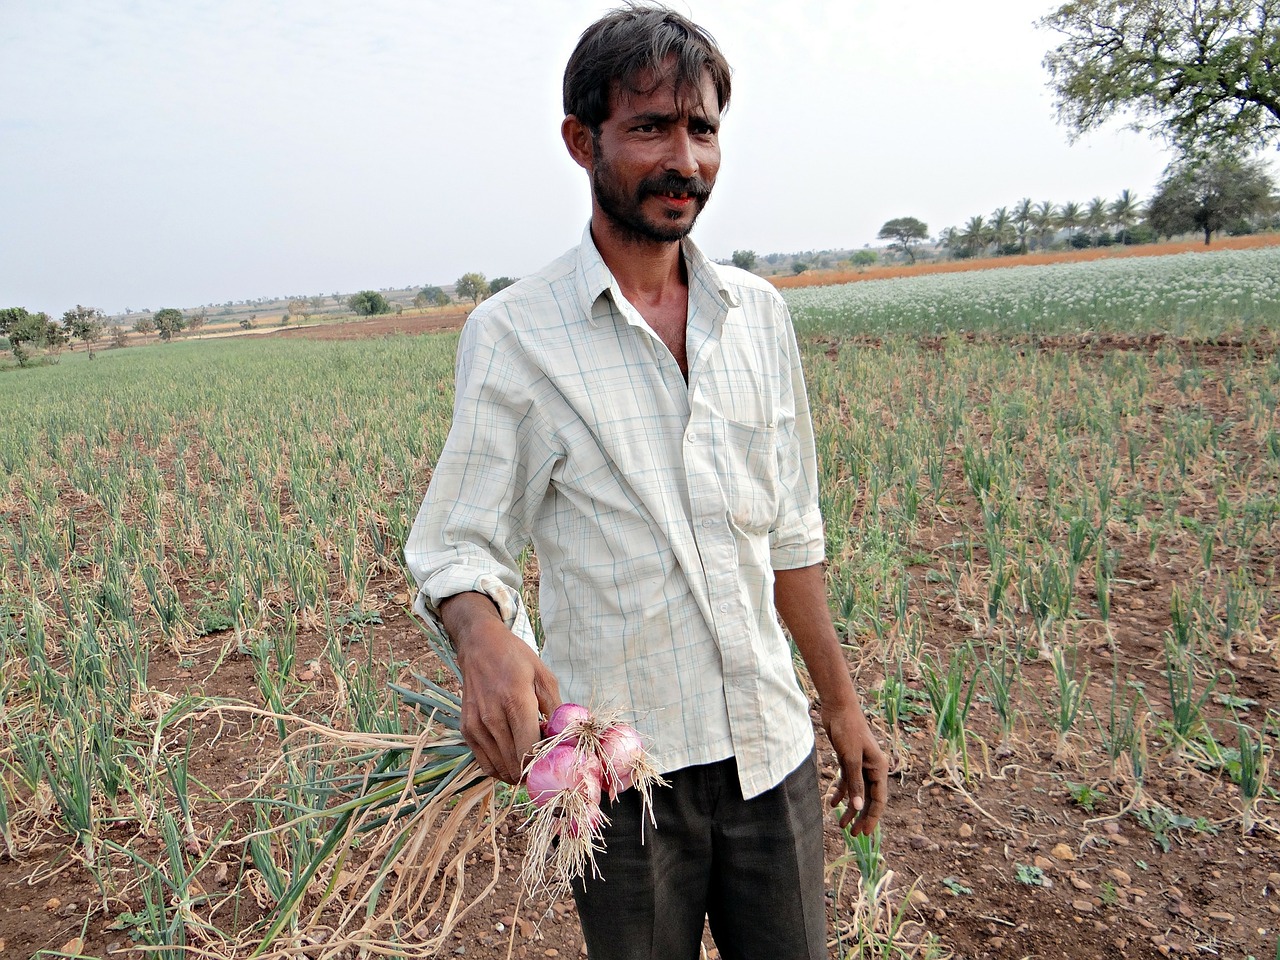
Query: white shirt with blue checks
(658, 509)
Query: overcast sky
(179, 152)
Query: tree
(368, 303)
(1095, 218)
(85, 323)
(431, 295)
(500, 283)
(1070, 215)
(975, 236)
(169, 321)
(22, 328)
(1044, 221)
(472, 285)
(744, 259)
(905, 232)
(197, 320)
(1202, 74)
(298, 307)
(864, 258)
(1022, 215)
(145, 324)
(1208, 195)
(1125, 211)
(1001, 229)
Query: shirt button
(708, 522)
(724, 608)
(693, 438)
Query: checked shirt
(658, 509)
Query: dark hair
(630, 45)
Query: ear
(579, 142)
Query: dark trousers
(753, 868)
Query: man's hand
(504, 686)
(801, 598)
(864, 771)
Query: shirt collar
(594, 279)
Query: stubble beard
(625, 213)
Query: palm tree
(1069, 216)
(975, 235)
(950, 239)
(1022, 222)
(1125, 212)
(1095, 218)
(1000, 229)
(1044, 221)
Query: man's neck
(649, 272)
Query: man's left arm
(800, 596)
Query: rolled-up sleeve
(796, 539)
(472, 526)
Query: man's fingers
(490, 736)
(527, 734)
(877, 781)
(482, 746)
(852, 789)
(547, 689)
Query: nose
(682, 158)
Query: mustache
(695, 187)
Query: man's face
(656, 159)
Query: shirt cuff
(798, 544)
(452, 581)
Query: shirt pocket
(747, 463)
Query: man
(639, 414)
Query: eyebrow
(657, 117)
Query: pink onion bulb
(564, 768)
(620, 750)
(562, 717)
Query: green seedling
(1084, 796)
(1031, 876)
(1165, 825)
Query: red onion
(562, 717)
(589, 824)
(564, 768)
(620, 750)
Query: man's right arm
(504, 685)
(463, 549)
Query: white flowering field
(1229, 292)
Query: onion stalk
(424, 806)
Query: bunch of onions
(400, 834)
(582, 759)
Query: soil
(1010, 866)
(383, 326)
